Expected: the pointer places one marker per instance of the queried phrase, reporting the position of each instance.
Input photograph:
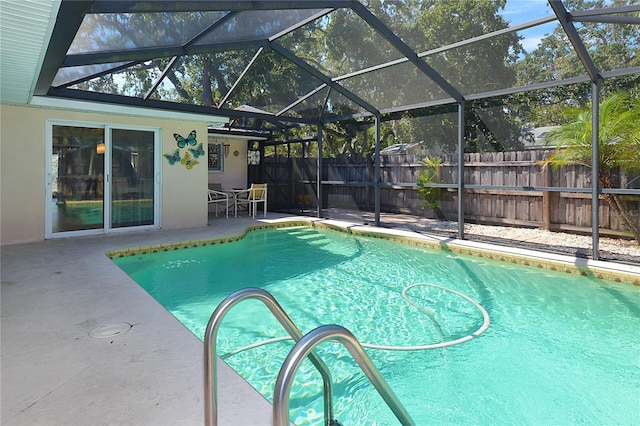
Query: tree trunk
(616, 205)
(207, 95)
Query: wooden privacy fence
(516, 195)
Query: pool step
(311, 236)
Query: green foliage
(618, 135)
(341, 43)
(338, 44)
(611, 46)
(429, 174)
(476, 67)
(618, 144)
(490, 126)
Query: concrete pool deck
(55, 293)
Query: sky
(521, 11)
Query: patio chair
(257, 193)
(215, 196)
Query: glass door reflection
(77, 178)
(132, 178)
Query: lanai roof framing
(108, 61)
(72, 14)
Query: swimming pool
(561, 348)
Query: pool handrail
(305, 347)
(210, 363)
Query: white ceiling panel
(25, 29)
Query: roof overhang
(130, 111)
(240, 134)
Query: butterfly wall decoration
(188, 162)
(197, 151)
(189, 140)
(173, 158)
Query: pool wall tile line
(135, 251)
(601, 270)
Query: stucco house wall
(234, 174)
(23, 171)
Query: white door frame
(107, 198)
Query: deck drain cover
(110, 330)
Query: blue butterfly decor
(186, 160)
(173, 158)
(197, 152)
(190, 140)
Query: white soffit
(130, 111)
(25, 30)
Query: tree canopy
(343, 47)
(611, 46)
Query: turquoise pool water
(561, 348)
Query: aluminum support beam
(151, 6)
(161, 77)
(319, 172)
(171, 106)
(300, 24)
(288, 54)
(122, 67)
(595, 169)
(405, 50)
(61, 38)
(622, 10)
(565, 20)
(301, 99)
(376, 173)
(461, 170)
(151, 53)
(622, 20)
(241, 76)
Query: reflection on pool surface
(561, 348)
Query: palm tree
(618, 144)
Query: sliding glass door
(133, 176)
(76, 178)
(100, 179)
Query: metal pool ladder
(303, 348)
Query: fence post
(548, 200)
